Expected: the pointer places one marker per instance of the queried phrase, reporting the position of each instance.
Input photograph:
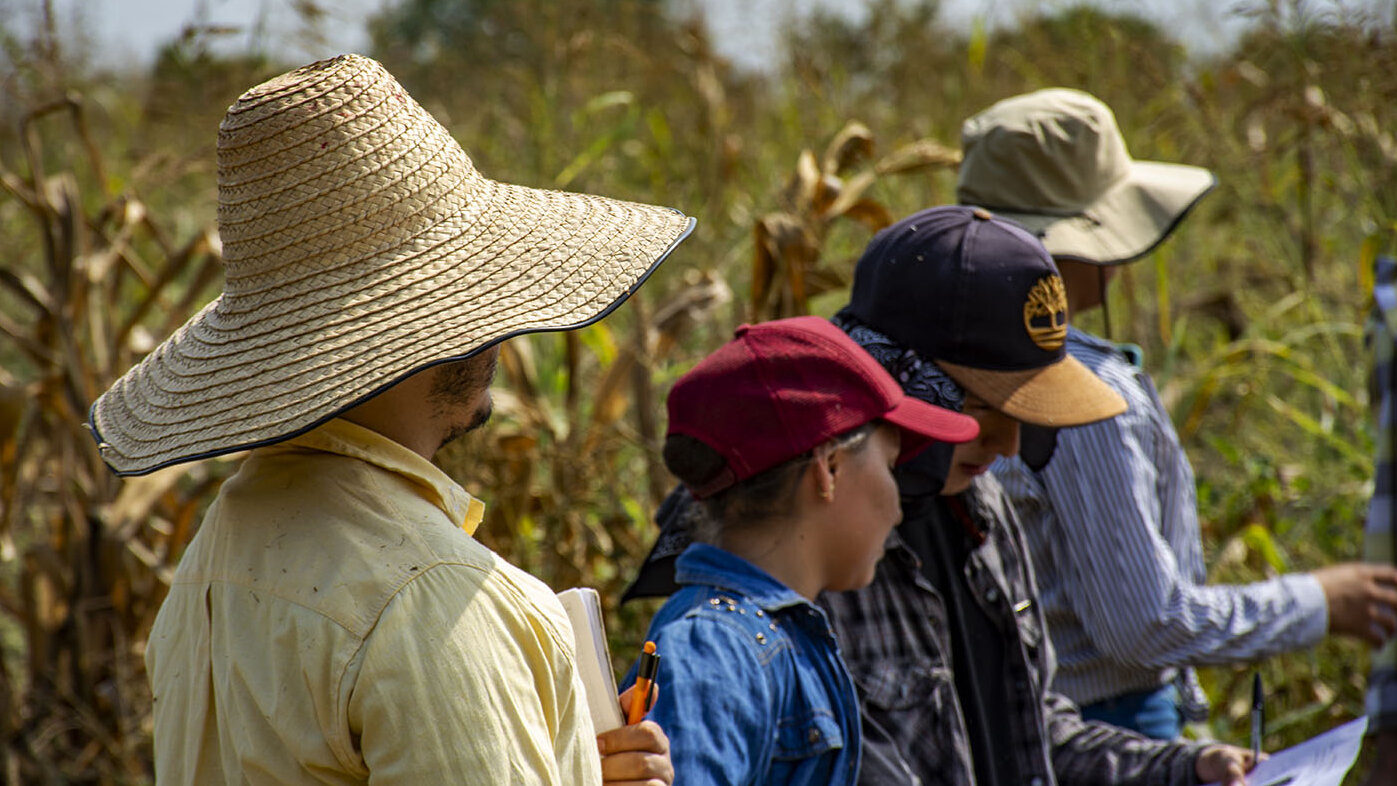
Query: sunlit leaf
(1260, 541)
(853, 143)
(916, 156)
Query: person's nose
(1002, 437)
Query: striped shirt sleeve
(1137, 602)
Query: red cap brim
(923, 424)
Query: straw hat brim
(1062, 394)
(262, 366)
(1128, 220)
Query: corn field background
(1250, 316)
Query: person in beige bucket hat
(334, 620)
(1109, 508)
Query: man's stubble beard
(460, 382)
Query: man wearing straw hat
(1109, 508)
(333, 621)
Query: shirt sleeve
(715, 702)
(1133, 600)
(1087, 753)
(465, 680)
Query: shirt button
(814, 736)
(992, 595)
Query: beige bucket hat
(361, 246)
(1054, 160)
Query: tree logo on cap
(1045, 313)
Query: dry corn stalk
(86, 293)
(786, 269)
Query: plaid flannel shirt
(1379, 532)
(897, 642)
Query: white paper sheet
(1319, 761)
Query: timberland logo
(1045, 313)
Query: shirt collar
(1078, 336)
(704, 564)
(341, 437)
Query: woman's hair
(760, 498)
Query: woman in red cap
(787, 436)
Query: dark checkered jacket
(896, 640)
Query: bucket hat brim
(1128, 221)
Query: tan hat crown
(1054, 151)
(315, 165)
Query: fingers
(1237, 771)
(637, 768)
(1382, 603)
(643, 737)
(628, 695)
(637, 755)
(1362, 600)
(1227, 764)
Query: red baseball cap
(778, 389)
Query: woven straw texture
(361, 245)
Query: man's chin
(481, 417)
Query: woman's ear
(825, 465)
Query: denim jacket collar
(704, 564)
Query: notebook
(583, 606)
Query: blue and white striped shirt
(1112, 526)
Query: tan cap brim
(1128, 221)
(1063, 394)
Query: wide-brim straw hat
(361, 246)
(1055, 161)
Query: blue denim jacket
(752, 689)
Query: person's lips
(973, 469)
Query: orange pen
(644, 683)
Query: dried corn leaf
(826, 279)
(520, 372)
(804, 188)
(703, 294)
(137, 498)
(853, 143)
(916, 156)
(850, 195)
(764, 256)
(611, 399)
(869, 213)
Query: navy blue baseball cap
(981, 297)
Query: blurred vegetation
(1250, 316)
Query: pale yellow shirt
(334, 622)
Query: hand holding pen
(1229, 764)
(638, 751)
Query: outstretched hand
(1225, 764)
(635, 755)
(1362, 600)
